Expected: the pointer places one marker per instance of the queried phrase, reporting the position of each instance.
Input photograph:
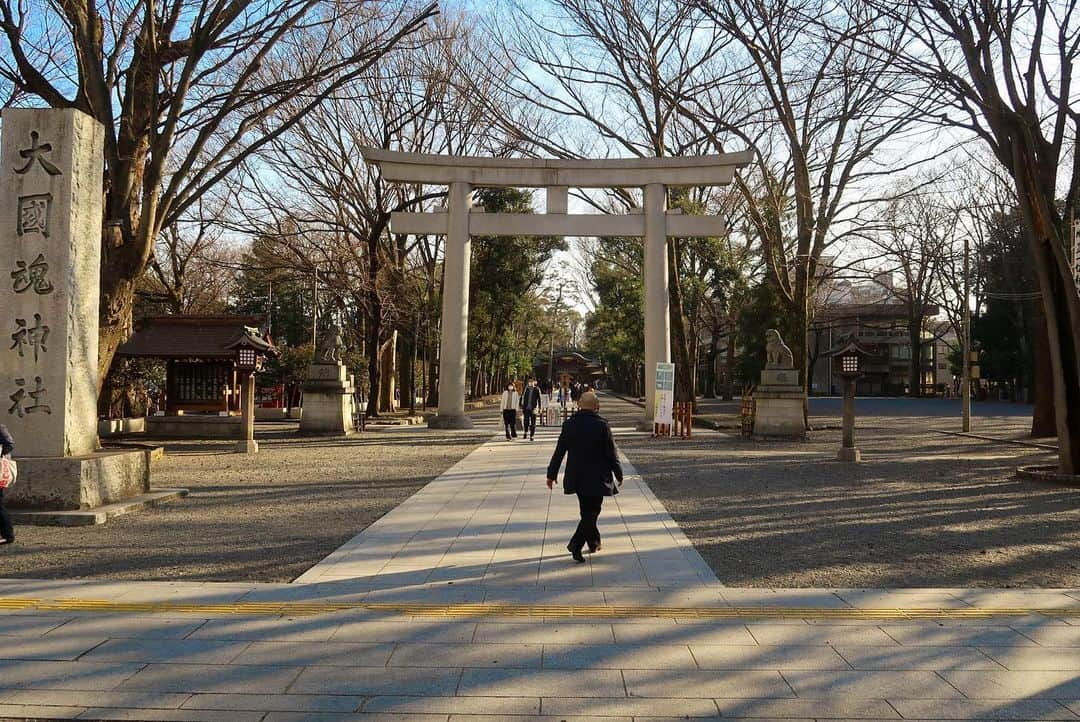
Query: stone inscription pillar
(453, 344)
(657, 318)
(50, 226)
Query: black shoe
(593, 548)
(575, 553)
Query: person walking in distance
(530, 407)
(510, 403)
(592, 469)
(7, 530)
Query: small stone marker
(50, 211)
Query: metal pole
(314, 307)
(270, 311)
(551, 350)
(412, 369)
(965, 384)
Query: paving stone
(705, 684)
(137, 626)
(319, 628)
(65, 675)
(1072, 704)
(536, 683)
(45, 647)
(967, 709)
(695, 633)
(537, 718)
(834, 635)
(235, 678)
(1034, 685)
(170, 715)
(598, 633)
(376, 681)
(454, 705)
(337, 654)
(467, 655)
(1055, 636)
(85, 698)
(275, 702)
(443, 632)
(760, 657)
(27, 625)
(332, 717)
(1050, 659)
(173, 651)
(917, 658)
(954, 636)
(617, 656)
(31, 712)
(830, 708)
(629, 706)
(910, 685)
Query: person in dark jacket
(7, 530)
(592, 468)
(530, 405)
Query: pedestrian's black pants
(530, 423)
(510, 422)
(587, 533)
(7, 531)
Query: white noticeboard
(665, 394)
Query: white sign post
(665, 394)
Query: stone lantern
(848, 360)
(251, 350)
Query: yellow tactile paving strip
(293, 609)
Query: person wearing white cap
(592, 469)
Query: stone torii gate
(457, 222)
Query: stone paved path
(462, 604)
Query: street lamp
(251, 350)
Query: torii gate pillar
(454, 341)
(657, 308)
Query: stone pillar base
(70, 483)
(247, 447)
(327, 402)
(450, 421)
(644, 424)
(849, 454)
(779, 414)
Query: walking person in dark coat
(7, 530)
(592, 468)
(530, 405)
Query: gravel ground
(923, 509)
(262, 518)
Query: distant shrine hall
(203, 358)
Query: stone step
(97, 515)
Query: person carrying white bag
(8, 474)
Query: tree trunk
(387, 363)
(374, 330)
(914, 330)
(729, 368)
(684, 379)
(1043, 422)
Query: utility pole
(270, 309)
(965, 384)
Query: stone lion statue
(777, 353)
(331, 345)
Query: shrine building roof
(199, 337)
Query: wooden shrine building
(202, 354)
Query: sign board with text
(665, 394)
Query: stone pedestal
(51, 214)
(779, 405)
(327, 401)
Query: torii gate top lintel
(704, 170)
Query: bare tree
(332, 210)
(820, 115)
(607, 71)
(1004, 71)
(182, 90)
